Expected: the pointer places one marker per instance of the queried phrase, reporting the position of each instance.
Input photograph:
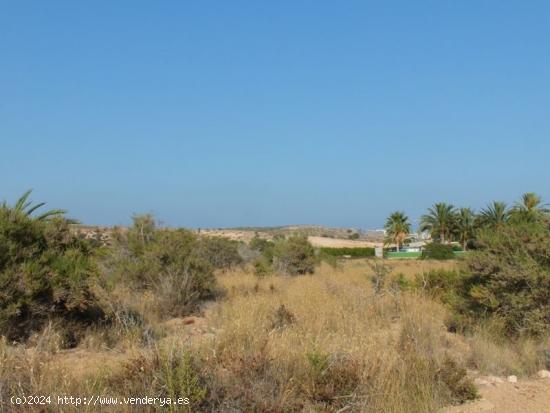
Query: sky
(251, 113)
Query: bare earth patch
(532, 395)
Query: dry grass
(409, 268)
(491, 353)
(381, 352)
(274, 344)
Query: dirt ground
(525, 396)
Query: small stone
(543, 374)
(512, 379)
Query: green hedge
(352, 252)
(402, 254)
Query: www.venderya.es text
(96, 400)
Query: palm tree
(465, 225)
(528, 209)
(530, 201)
(397, 227)
(439, 221)
(495, 215)
(24, 206)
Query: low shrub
(262, 267)
(294, 256)
(282, 318)
(437, 251)
(170, 263)
(459, 386)
(333, 378)
(221, 253)
(351, 252)
(172, 374)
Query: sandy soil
(525, 396)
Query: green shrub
(171, 263)
(509, 277)
(45, 273)
(262, 267)
(261, 245)
(506, 279)
(169, 373)
(352, 252)
(294, 256)
(440, 283)
(221, 253)
(438, 251)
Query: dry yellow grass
(386, 346)
(277, 344)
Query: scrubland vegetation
(273, 326)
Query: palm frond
(34, 208)
(50, 214)
(21, 202)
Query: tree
(439, 221)
(494, 216)
(465, 225)
(529, 209)
(397, 227)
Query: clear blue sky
(235, 113)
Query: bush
(459, 387)
(261, 245)
(169, 373)
(352, 252)
(506, 280)
(171, 263)
(509, 277)
(294, 256)
(438, 251)
(332, 378)
(262, 267)
(221, 253)
(45, 273)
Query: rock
(512, 379)
(543, 374)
